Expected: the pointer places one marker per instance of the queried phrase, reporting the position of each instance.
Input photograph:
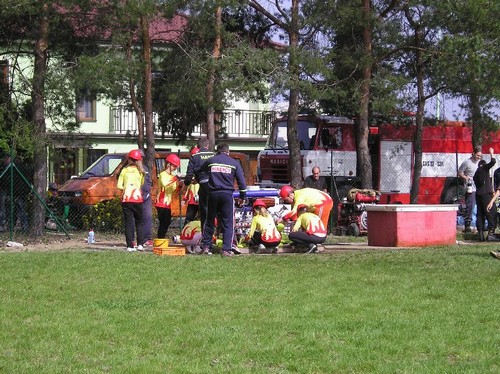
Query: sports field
(432, 310)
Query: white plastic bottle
(91, 237)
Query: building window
(85, 109)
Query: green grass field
(430, 310)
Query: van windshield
(278, 139)
(104, 166)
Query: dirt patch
(58, 242)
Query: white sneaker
(131, 249)
(140, 248)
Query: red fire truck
(328, 142)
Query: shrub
(106, 216)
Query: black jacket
(194, 167)
(482, 178)
(222, 171)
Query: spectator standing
(263, 232)
(308, 230)
(194, 170)
(484, 193)
(491, 204)
(315, 180)
(130, 181)
(318, 202)
(222, 171)
(168, 183)
(496, 184)
(466, 172)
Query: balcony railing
(235, 123)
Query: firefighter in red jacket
(317, 202)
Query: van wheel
(353, 229)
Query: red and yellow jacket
(313, 198)
(311, 224)
(168, 184)
(191, 194)
(190, 230)
(265, 224)
(130, 181)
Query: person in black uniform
(222, 171)
(194, 170)
(484, 193)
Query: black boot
(481, 235)
(467, 228)
(492, 237)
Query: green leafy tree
(365, 41)
(469, 66)
(35, 37)
(302, 62)
(222, 55)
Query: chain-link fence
(63, 215)
(18, 198)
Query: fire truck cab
(325, 141)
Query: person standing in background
(466, 172)
(484, 193)
(130, 181)
(316, 181)
(222, 171)
(190, 198)
(194, 171)
(168, 183)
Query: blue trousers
(220, 205)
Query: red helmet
(285, 191)
(173, 159)
(135, 154)
(259, 202)
(302, 207)
(194, 150)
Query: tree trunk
(364, 165)
(293, 107)
(212, 78)
(38, 93)
(133, 100)
(148, 99)
(476, 119)
(417, 141)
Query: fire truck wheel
(353, 229)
